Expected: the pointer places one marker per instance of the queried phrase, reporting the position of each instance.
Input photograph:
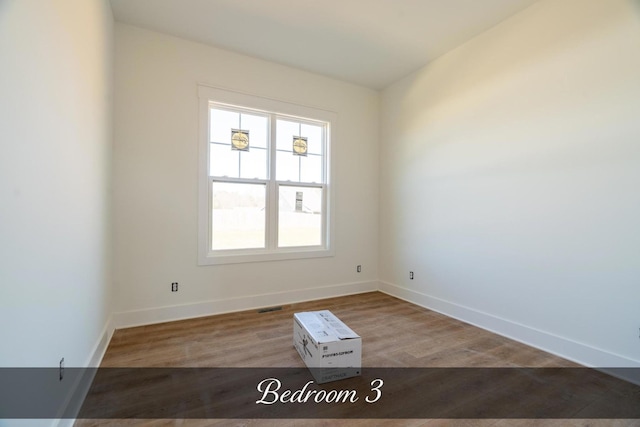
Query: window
(264, 179)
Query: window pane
(311, 168)
(313, 134)
(258, 127)
(238, 216)
(287, 166)
(285, 131)
(299, 216)
(253, 163)
(221, 124)
(223, 161)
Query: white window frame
(206, 256)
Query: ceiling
(368, 42)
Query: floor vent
(270, 309)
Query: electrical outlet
(61, 369)
(174, 287)
(359, 269)
(411, 275)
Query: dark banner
(227, 393)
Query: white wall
(156, 182)
(509, 181)
(55, 136)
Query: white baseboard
(82, 383)
(150, 316)
(101, 346)
(568, 349)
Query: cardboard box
(329, 348)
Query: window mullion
(272, 200)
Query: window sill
(221, 258)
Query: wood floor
(394, 333)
